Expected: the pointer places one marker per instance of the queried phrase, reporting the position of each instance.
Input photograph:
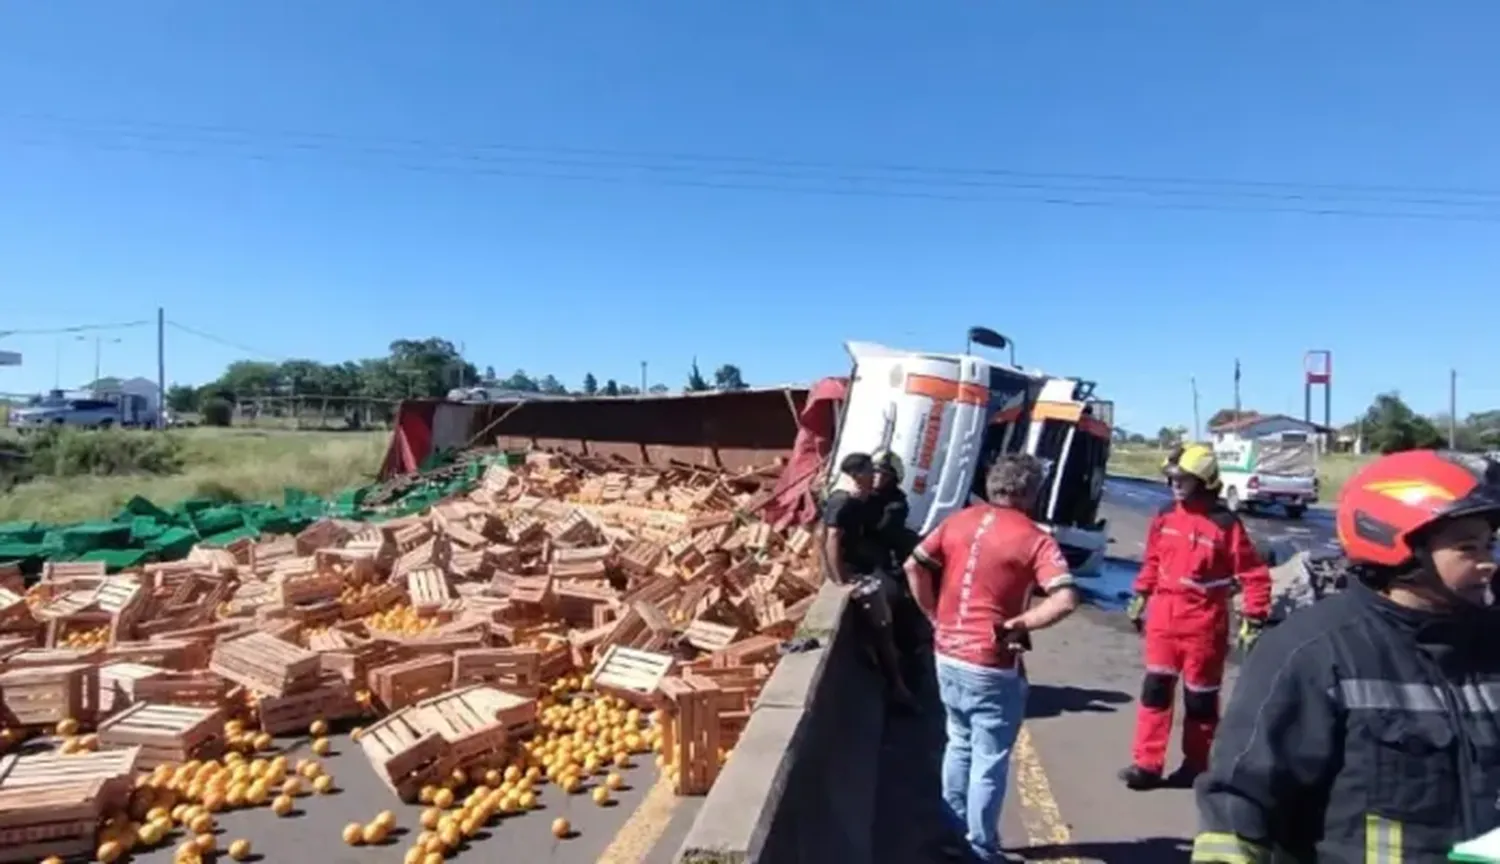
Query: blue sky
(317, 179)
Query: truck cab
(948, 416)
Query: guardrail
(800, 786)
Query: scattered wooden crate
(690, 740)
(332, 699)
(404, 756)
(60, 820)
(266, 665)
(117, 685)
(469, 732)
(45, 695)
(512, 667)
(199, 688)
(113, 769)
(409, 681)
(164, 733)
(631, 674)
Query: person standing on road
(852, 557)
(1365, 729)
(1197, 555)
(889, 510)
(973, 576)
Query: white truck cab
(947, 416)
(1257, 473)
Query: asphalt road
(1064, 803)
(311, 833)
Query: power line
(78, 328)
(227, 343)
(467, 162)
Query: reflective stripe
(1163, 670)
(921, 557)
(1373, 694)
(1205, 586)
(1382, 840)
(1213, 847)
(1066, 580)
(1200, 688)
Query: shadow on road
(1049, 700)
(1151, 850)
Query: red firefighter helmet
(1386, 503)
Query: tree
(590, 384)
(727, 377)
(489, 374)
(627, 390)
(182, 399)
(659, 389)
(611, 388)
(1390, 426)
(551, 386)
(695, 381)
(430, 367)
(519, 380)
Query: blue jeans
(984, 710)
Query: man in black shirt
(853, 557)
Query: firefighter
(1197, 555)
(1365, 729)
(888, 513)
(1173, 457)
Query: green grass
(243, 464)
(1334, 469)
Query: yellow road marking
(640, 832)
(1040, 815)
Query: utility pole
(643, 376)
(1236, 388)
(1452, 409)
(161, 368)
(1197, 426)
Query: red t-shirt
(990, 558)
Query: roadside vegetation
(73, 475)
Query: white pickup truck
(1261, 473)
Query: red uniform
(1196, 556)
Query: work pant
(1198, 661)
(984, 709)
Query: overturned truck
(947, 416)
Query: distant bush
(217, 412)
(78, 452)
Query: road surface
(1065, 804)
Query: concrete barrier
(800, 786)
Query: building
(1273, 427)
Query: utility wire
(227, 343)
(79, 328)
(467, 162)
(703, 160)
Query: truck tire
(1295, 511)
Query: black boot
(1139, 779)
(1183, 777)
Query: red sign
(1318, 367)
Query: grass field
(244, 464)
(1333, 468)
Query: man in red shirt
(987, 561)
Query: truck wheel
(1232, 500)
(1295, 511)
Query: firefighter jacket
(1197, 556)
(1359, 732)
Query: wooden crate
(60, 820)
(175, 655)
(165, 733)
(266, 665)
(511, 667)
(428, 589)
(117, 683)
(633, 675)
(710, 636)
(45, 695)
(401, 684)
(691, 737)
(114, 769)
(333, 699)
(354, 663)
(37, 657)
(199, 688)
(469, 731)
(404, 757)
(309, 587)
(382, 598)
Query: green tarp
(144, 531)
